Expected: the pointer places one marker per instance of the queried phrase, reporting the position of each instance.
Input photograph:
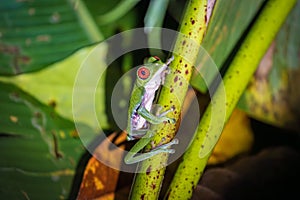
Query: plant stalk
(235, 81)
(148, 183)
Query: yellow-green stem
(235, 81)
(148, 183)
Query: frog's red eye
(143, 73)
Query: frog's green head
(151, 72)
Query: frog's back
(134, 103)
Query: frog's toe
(171, 151)
(172, 120)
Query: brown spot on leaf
(24, 59)
(43, 38)
(55, 18)
(31, 11)
(13, 118)
(52, 103)
(9, 49)
(57, 154)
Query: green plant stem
(148, 183)
(117, 12)
(87, 21)
(235, 81)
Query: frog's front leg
(153, 119)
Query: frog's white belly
(150, 88)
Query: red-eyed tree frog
(150, 76)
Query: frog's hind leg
(133, 157)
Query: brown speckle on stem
(148, 170)
(153, 186)
(178, 71)
(175, 79)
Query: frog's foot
(165, 147)
(157, 109)
(170, 60)
(164, 74)
(163, 114)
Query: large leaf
(273, 95)
(39, 150)
(54, 85)
(228, 22)
(37, 33)
(40, 147)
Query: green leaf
(273, 95)
(54, 85)
(39, 150)
(34, 34)
(228, 22)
